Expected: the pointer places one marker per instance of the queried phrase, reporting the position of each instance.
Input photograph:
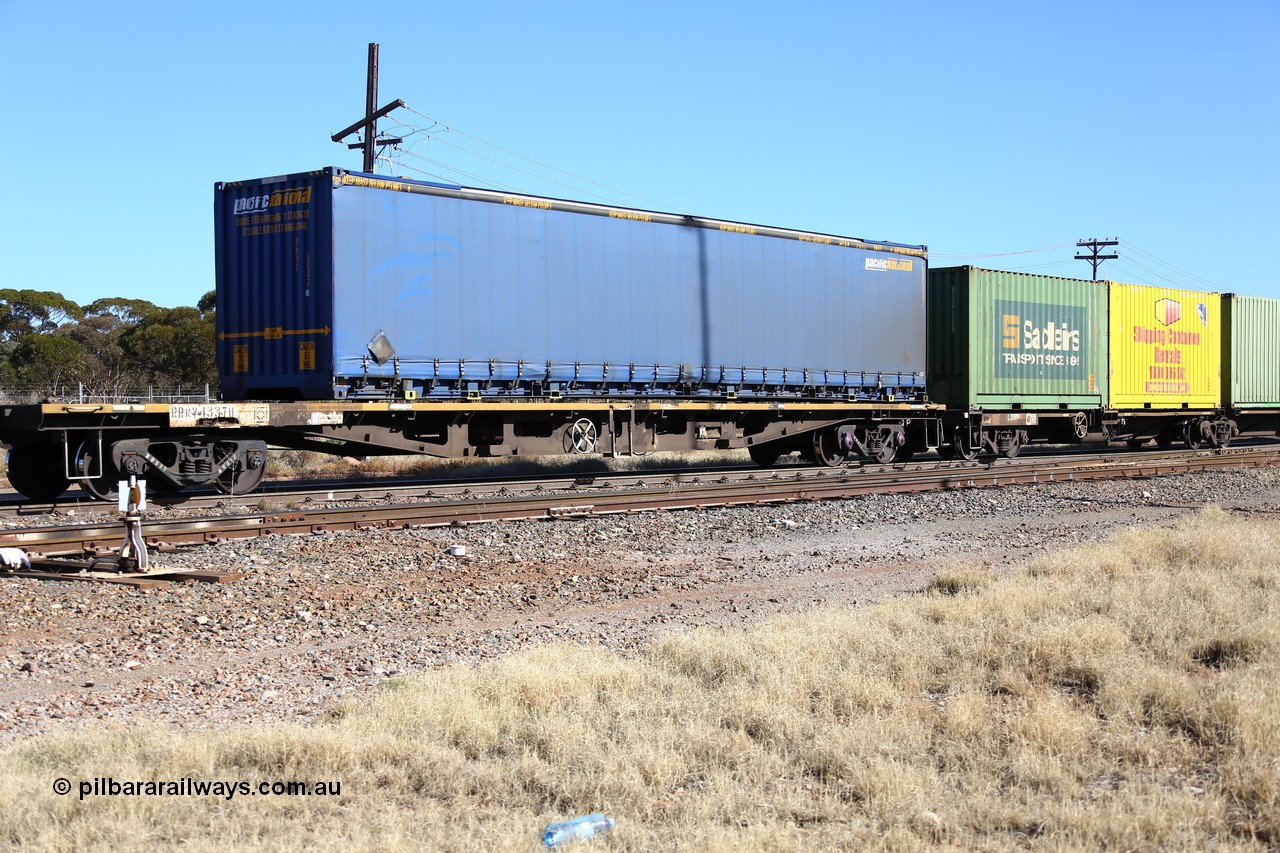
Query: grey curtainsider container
(1251, 371)
(338, 284)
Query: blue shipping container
(339, 284)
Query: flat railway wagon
(563, 326)
(1016, 357)
(361, 315)
(1166, 363)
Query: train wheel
(961, 448)
(824, 449)
(764, 455)
(105, 486)
(238, 478)
(36, 471)
(581, 437)
(1079, 426)
(1193, 436)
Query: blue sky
(979, 129)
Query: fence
(117, 394)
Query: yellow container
(1166, 348)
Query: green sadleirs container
(1010, 341)
(1250, 339)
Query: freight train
(361, 315)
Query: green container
(1250, 334)
(1012, 341)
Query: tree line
(48, 342)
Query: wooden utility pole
(1094, 246)
(370, 121)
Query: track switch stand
(132, 556)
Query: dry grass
(1120, 697)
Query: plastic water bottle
(580, 827)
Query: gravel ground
(334, 615)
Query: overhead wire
(1145, 266)
(450, 129)
(1047, 265)
(1128, 265)
(406, 146)
(1001, 254)
(518, 169)
(424, 172)
(405, 130)
(478, 178)
(1189, 276)
(1136, 276)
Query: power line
(998, 254)
(1170, 274)
(1156, 274)
(1044, 266)
(450, 129)
(1189, 275)
(425, 172)
(518, 169)
(1143, 275)
(435, 132)
(478, 178)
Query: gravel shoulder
(334, 615)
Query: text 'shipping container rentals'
(1166, 348)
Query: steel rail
(778, 486)
(281, 494)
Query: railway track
(626, 493)
(288, 495)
